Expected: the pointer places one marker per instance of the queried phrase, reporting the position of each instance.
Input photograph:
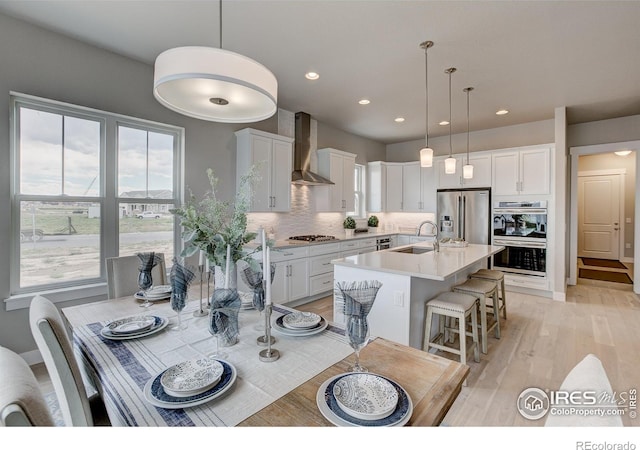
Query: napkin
(253, 278)
(223, 315)
(180, 277)
(148, 261)
(357, 298)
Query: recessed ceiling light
(364, 101)
(444, 122)
(311, 76)
(502, 112)
(623, 152)
(399, 119)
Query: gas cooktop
(312, 238)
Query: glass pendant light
(426, 154)
(467, 169)
(450, 162)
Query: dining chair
(122, 275)
(22, 404)
(52, 339)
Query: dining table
(288, 391)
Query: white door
(599, 216)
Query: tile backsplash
(302, 219)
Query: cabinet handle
(326, 282)
(274, 201)
(288, 254)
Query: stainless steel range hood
(302, 154)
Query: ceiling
(525, 56)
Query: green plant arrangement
(372, 221)
(349, 223)
(211, 224)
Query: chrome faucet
(436, 243)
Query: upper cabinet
(523, 171)
(339, 167)
(400, 187)
(481, 162)
(271, 154)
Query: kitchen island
(410, 275)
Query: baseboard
(627, 259)
(32, 357)
(559, 296)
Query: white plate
(327, 404)
(299, 319)
(160, 323)
(366, 396)
(191, 377)
(139, 296)
(130, 325)
(154, 392)
(280, 328)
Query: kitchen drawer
(321, 283)
(322, 264)
(286, 254)
(364, 243)
(367, 250)
(350, 252)
(323, 249)
(349, 245)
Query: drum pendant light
(214, 84)
(450, 162)
(426, 154)
(467, 169)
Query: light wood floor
(542, 340)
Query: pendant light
(450, 162)
(426, 154)
(467, 169)
(214, 84)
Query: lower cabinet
(291, 280)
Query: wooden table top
(432, 382)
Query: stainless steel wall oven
(521, 227)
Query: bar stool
(498, 277)
(482, 289)
(455, 306)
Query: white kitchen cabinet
(291, 280)
(271, 155)
(418, 188)
(481, 163)
(400, 187)
(339, 167)
(393, 187)
(524, 171)
(376, 186)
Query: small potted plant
(372, 222)
(349, 225)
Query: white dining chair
(122, 275)
(22, 404)
(51, 336)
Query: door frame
(621, 174)
(576, 152)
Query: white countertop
(431, 265)
(340, 237)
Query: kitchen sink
(412, 250)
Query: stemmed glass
(358, 332)
(178, 302)
(217, 327)
(144, 283)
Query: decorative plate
(159, 324)
(155, 394)
(191, 377)
(131, 325)
(300, 320)
(161, 291)
(328, 406)
(365, 396)
(280, 328)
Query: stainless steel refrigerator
(466, 214)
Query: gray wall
(45, 64)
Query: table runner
(124, 367)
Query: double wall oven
(521, 227)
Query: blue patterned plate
(155, 394)
(159, 323)
(328, 406)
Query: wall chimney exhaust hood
(302, 154)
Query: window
(360, 207)
(87, 185)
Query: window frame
(108, 197)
